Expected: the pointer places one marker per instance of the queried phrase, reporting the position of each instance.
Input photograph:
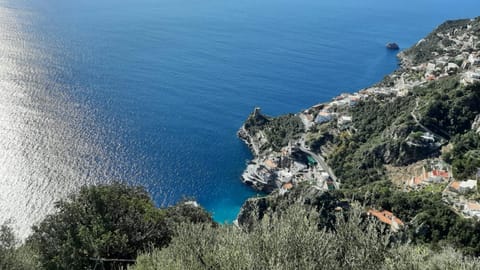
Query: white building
(467, 186)
(474, 60)
(323, 117)
(472, 209)
(344, 122)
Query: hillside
(408, 145)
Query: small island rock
(392, 46)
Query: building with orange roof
(454, 186)
(441, 173)
(463, 186)
(270, 164)
(287, 186)
(434, 176)
(388, 218)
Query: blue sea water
(152, 92)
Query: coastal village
(458, 54)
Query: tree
(112, 222)
(13, 257)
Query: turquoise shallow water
(153, 91)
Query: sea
(152, 92)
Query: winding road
(420, 124)
(321, 162)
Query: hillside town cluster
(287, 168)
(456, 54)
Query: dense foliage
(294, 241)
(13, 257)
(325, 203)
(379, 137)
(278, 131)
(465, 155)
(302, 229)
(385, 132)
(106, 222)
(448, 107)
(432, 221)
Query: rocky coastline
(299, 148)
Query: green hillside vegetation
(446, 107)
(278, 130)
(465, 155)
(422, 52)
(293, 240)
(383, 128)
(432, 222)
(102, 226)
(13, 257)
(107, 227)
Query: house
(323, 117)
(309, 117)
(307, 120)
(454, 186)
(287, 186)
(270, 164)
(284, 176)
(415, 181)
(472, 209)
(463, 187)
(468, 186)
(452, 68)
(430, 68)
(438, 176)
(388, 218)
(354, 100)
(473, 60)
(344, 122)
(435, 176)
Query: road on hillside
(321, 162)
(420, 124)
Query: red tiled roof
(385, 217)
(287, 185)
(455, 185)
(441, 173)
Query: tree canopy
(105, 222)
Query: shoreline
(282, 167)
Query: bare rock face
(476, 124)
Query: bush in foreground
(293, 241)
(108, 226)
(13, 257)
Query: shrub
(105, 222)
